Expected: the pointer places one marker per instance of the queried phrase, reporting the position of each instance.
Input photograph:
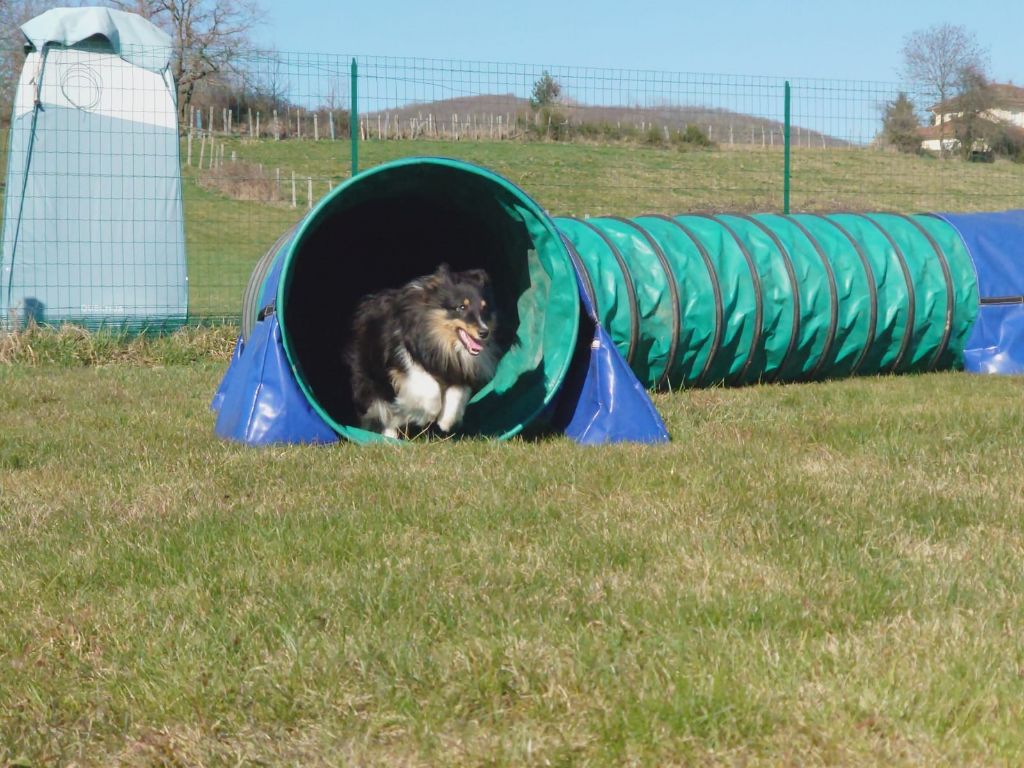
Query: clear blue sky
(851, 40)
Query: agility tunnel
(598, 310)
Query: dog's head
(463, 308)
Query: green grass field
(227, 236)
(809, 574)
(817, 574)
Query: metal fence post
(785, 159)
(353, 118)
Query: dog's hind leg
(380, 418)
(455, 399)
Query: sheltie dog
(418, 352)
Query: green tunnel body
(689, 301)
(699, 300)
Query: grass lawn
(809, 574)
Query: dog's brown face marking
(461, 316)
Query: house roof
(1004, 95)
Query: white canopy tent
(93, 228)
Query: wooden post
(294, 201)
(202, 149)
(309, 193)
(277, 185)
(298, 123)
(189, 148)
(257, 125)
(277, 130)
(251, 134)
(316, 127)
(210, 127)
(330, 120)
(234, 156)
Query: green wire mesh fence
(261, 143)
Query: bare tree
(974, 127)
(209, 36)
(13, 13)
(936, 58)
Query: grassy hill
(227, 233)
(477, 117)
(235, 213)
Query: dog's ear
(440, 276)
(478, 277)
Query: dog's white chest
(419, 395)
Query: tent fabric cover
(259, 402)
(130, 36)
(93, 222)
(996, 244)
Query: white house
(1007, 109)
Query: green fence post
(353, 118)
(785, 160)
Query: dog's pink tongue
(471, 344)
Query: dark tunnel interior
(386, 238)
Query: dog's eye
(460, 308)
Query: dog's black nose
(484, 333)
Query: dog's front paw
(446, 424)
(455, 399)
